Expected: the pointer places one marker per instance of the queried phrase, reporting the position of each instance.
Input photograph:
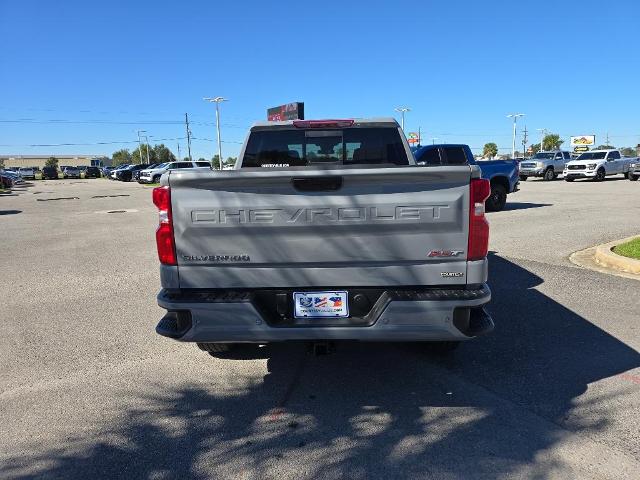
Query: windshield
(543, 156)
(592, 156)
(350, 146)
(162, 165)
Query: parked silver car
(547, 165)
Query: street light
(515, 119)
(217, 101)
(402, 110)
(543, 133)
(140, 146)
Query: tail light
(323, 123)
(478, 225)
(164, 234)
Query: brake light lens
(323, 123)
(478, 246)
(164, 234)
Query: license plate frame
(321, 304)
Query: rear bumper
(398, 315)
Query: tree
(215, 160)
(162, 154)
(604, 147)
(202, 159)
(136, 157)
(490, 150)
(51, 162)
(121, 157)
(231, 161)
(552, 141)
(534, 148)
(2, 163)
(628, 152)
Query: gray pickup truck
(326, 230)
(547, 165)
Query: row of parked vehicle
(145, 173)
(53, 173)
(594, 165)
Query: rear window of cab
(300, 147)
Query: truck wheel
(523, 178)
(442, 348)
(549, 175)
(626, 174)
(633, 177)
(155, 179)
(600, 174)
(213, 348)
(497, 198)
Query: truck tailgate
(285, 228)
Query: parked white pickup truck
(597, 164)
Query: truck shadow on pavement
(524, 205)
(498, 407)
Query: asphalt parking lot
(88, 390)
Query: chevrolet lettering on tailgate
(400, 213)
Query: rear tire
(568, 179)
(633, 178)
(549, 175)
(213, 348)
(155, 179)
(523, 178)
(626, 175)
(497, 198)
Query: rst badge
(444, 253)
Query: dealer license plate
(321, 304)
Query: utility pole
(433, 140)
(525, 139)
(513, 144)
(186, 120)
(179, 157)
(147, 139)
(217, 101)
(607, 142)
(140, 145)
(419, 136)
(402, 110)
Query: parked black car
(92, 172)
(49, 173)
(126, 174)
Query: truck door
(557, 162)
(614, 162)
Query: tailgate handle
(317, 184)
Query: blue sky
(89, 72)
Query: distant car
(106, 171)
(547, 165)
(597, 164)
(92, 172)
(15, 176)
(70, 172)
(82, 168)
(113, 175)
(27, 172)
(152, 175)
(126, 174)
(136, 174)
(6, 181)
(50, 173)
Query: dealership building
(40, 160)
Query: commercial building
(40, 160)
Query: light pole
(433, 140)
(217, 101)
(402, 110)
(513, 144)
(543, 133)
(147, 140)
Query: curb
(607, 258)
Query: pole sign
(580, 149)
(413, 138)
(288, 111)
(583, 140)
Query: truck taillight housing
(164, 234)
(478, 225)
